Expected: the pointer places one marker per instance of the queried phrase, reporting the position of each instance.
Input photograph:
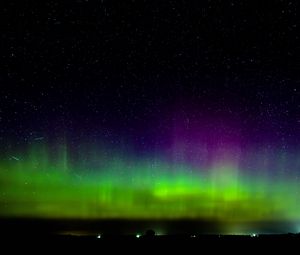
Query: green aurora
(48, 185)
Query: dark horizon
(125, 227)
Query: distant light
(98, 236)
(193, 236)
(254, 235)
(138, 235)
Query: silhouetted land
(122, 234)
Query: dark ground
(77, 236)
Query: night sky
(153, 109)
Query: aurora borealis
(110, 185)
(177, 111)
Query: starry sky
(179, 101)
